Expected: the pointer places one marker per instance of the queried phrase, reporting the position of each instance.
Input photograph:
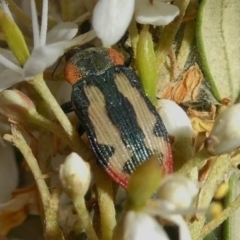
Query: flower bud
(225, 134)
(75, 175)
(15, 104)
(221, 191)
(178, 190)
(216, 209)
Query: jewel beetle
(122, 125)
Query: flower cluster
(47, 47)
(174, 196)
(111, 18)
(70, 192)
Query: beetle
(122, 125)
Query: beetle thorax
(89, 62)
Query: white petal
(61, 32)
(183, 229)
(168, 211)
(80, 40)
(180, 126)
(9, 55)
(9, 64)
(42, 58)
(8, 173)
(158, 13)
(82, 18)
(178, 190)
(111, 19)
(141, 226)
(9, 78)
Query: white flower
(158, 13)
(168, 211)
(10, 71)
(175, 120)
(48, 47)
(174, 198)
(141, 226)
(178, 190)
(225, 134)
(112, 17)
(180, 130)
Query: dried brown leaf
(200, 125)
(14, 212)
(202, 115)
(187, 89)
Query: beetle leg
(67, 107)
(80, 129)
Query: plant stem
(41, 87)
(208, 228)
(52, 230)
(188, 37)
(18, 140)
(85, 219)
(49, 125)
(105, 201)
(50, 213)
(78, 145)
(220, 167)
(168, 34)
(134, 36)
(196, 161)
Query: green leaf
(146, 64)
(218, 38)
(231, 225)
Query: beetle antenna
(57, 65)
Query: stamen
(6, 9)
(82, 18)
(8, 64)
(43, 33)
(35, 26)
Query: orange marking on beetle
(116, 57)
(122, 178)
(72, 73)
